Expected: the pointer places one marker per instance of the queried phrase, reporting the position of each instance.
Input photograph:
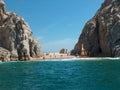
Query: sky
(56, 24)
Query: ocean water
(89, 74)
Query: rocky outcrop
(4, 54)
(101, 34)
(16, 36)
(63, 51)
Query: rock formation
(4, 54)
(101, 34)
(16, 37)
(63, 51)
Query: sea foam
(82, 59)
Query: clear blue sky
(56, 23)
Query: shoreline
(66, 57)
(70, 59)
(83, 58)
(55, 55)
(43, 58)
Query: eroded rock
(101, 35)
(16, 36)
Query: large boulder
(16, 36)
(101, 34)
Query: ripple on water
(61, 75)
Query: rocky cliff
(16, 37)
(101, 34)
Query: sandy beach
(53, 56)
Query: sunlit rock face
(101, 34)
(16, 36)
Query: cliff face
(16, 37)
(101, 34)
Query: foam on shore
(73, 59)
(83, 59)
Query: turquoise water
(61, 75)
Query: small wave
(1, 62)
(70, 59)
(99, 58)
(74, 59)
